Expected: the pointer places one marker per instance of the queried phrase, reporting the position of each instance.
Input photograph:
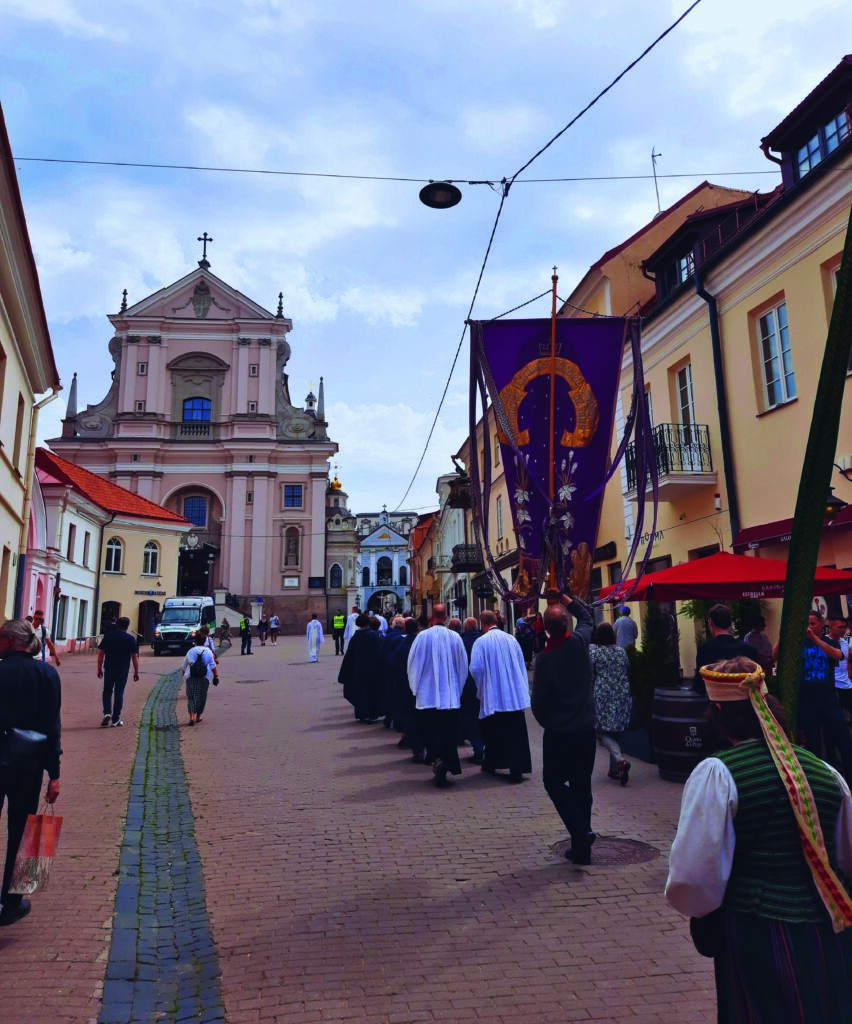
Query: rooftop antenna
(654, 156)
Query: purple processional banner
(556, 529)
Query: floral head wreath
(729, 686)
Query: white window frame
(140, 406)
(252, 407)
(685, 397)
(114, 552)
(151, 559)
(775, 354)
(142, 369)
(254, 369)
(498, 506)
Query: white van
(181, 617)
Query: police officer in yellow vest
(245, 635)
(338, 625)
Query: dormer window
(826, 140)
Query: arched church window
(291, 546)
(151, 559)
(335, 577)
(114, 555)
(403, 576)
(384, 572)
(195, 510)
(365, 576)
(196, 410)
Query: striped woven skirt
(774, 972)
(196, 694)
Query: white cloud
(380, 445)
(61, 14)
(399, 308)
(491, 128)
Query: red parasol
(724, 577)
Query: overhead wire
(378, 177)
(505, 192)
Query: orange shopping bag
(36, 853)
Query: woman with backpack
(199, 668)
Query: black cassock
(360, 673)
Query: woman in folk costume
(315, 638)
(761, 858)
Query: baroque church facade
(199, 419)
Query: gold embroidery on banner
(585, 403)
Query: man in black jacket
(563, 703)
(722, 646)
(30, 699)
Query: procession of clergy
(466, 681)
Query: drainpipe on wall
(722, 397)
(28, 499)
(97, 596)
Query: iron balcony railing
(467, 558)
(678, 449)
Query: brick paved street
(341, 885)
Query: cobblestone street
(319, 876)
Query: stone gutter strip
(162, 962)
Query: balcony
(466, 558)
(195, 429)
(459, 496)
(684, 461)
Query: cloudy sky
(377, 285)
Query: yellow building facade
(27, 369)
(743, 299)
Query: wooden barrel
(680, 734)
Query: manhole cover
(613, 853)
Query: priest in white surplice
(350, 627)
(315, 638)
(502, 685)
(437, 669)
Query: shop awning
(724, 576)
(779, 532)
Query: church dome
(335, 485)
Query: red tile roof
(102, 492)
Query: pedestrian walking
(116, 652)
(42, 632)
(199, 670)
(525, 635)
(338, 626)
(498, 666)
(563, 703)
(437, 669)
(350, 626)
(611, 682)
(262, 629)
(225, 633)
(204, 639)
(274, 627)
(470, 704)
(245, 635)
(763, 843)
(315, 638)
(30, 700)
(626, 630)
(403, 701)
(820, 714)
(360, 672)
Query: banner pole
(817, 469)
(552, 455)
